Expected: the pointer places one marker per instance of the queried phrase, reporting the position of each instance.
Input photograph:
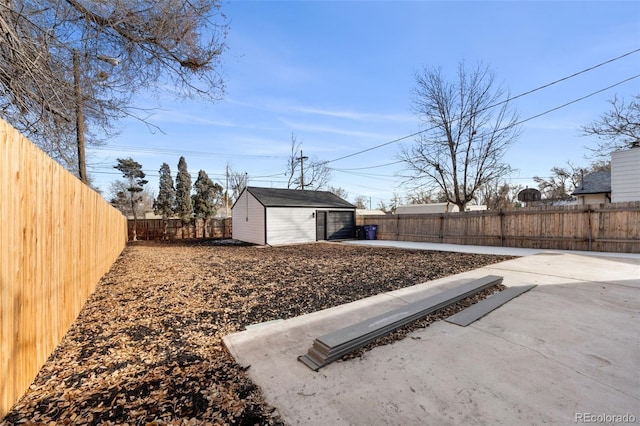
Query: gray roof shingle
(275, 197)
(594, 183)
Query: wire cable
(497, 104)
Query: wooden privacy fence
(57, 238)
(153, 229)
(604, 227)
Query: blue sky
(339, 75)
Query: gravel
(147, 347)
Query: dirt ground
(147, 347)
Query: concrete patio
(567, 351)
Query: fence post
(590, 232)
(501, 215)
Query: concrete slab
(565, 350)
(460, 248)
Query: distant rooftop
(594, 183)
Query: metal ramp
(483, 307)
(335, 345)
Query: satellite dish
(528, 195)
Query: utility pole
(226, 194)
(302, 158)
(82, 163)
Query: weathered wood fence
(154, 229)
(604, 227)
(57, 238)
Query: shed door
(321, 225)
(340, 225)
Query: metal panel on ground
(482, 308)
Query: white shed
(283, 216)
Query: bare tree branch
(124, 46)
(616, 129)
(466, 137)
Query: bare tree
(616, 129)
(361, 202)
(238, 182)
(396, 200)
(118, 194)
(340, 192)
(118, 47)
(499, 195)
(302, 175)
(468, 130)
(420, 196)
(561, 183)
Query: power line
(561, 106)
(576, 100)
(368, 167)
(514, 124)
(499, 103)
(388, 178)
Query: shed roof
(595, 183)
(275, 197)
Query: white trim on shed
(625, 175)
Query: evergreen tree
(165, 204)
(206, 199)
(132, 171)
(184, 206)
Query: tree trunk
(82, 163)
(204, 227)
(135, 227)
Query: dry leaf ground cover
(147, 347)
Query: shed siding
(625, 175)
(286, 225)
(592, 199)
(248, 220)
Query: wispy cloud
(316, 128)
(358, 116)
(178, 117)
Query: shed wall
(248, 220)
(625, 175)
(592, 199)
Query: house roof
(594, 183)
(275, 197)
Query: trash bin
(360, 233)
(370, 231)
